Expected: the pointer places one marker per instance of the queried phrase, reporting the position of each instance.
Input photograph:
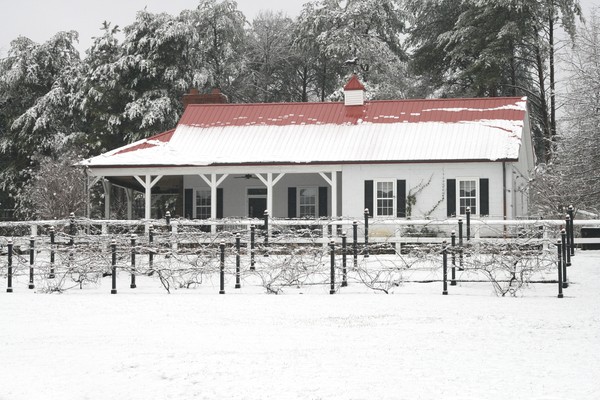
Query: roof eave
(272, 163)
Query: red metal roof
(354, 84)
(378, 131)
(380, 112)
(163, 137)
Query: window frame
(299, 204)
(476, 197)
(375, 211)
(196, 206)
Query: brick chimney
(194, 97)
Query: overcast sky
(40, 19)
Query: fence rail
(389, 230)
(380, 253)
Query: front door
(256, 207)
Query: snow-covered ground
(415, 343)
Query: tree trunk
(544, 148)
(323, 81)
(552, 132)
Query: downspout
(504, 191)
(88, 208)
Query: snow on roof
(378, 131)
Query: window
(467, 195)
(260, 192)
(307, 202)
(384, 198)
(203, 203)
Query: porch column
(269, 182)
(147, 184)
(90, 181)
(333, 183)
(107, 197)
(213, 183)
(129, 194)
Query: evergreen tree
(332, 31)
(504, 47)
(102, 95)
(216, 40)
(36, 96)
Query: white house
(398, 158)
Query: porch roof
(324, 133)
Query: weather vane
(353, 62)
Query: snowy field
(196, 344)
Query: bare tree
(55, 189)
(573, 177)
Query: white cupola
(354, 92)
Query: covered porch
(285, 191)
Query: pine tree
(36, 96)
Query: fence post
(355, 244)
(563, 238)
(222, 268)
(168, 220)
(453, 243)
(571, 212)
(366, 233)
(344, 252)
(150, 244)
(266, 216)
(460, 244)
(569, 239)
(468, 213)
(169, 228)
(72, 231)
(560, 275)
(332, 265)
(252, 237)
(174, 245)
(445, 266)
(237, 261)
(133, 285)
(31, 260)
(52, 251)
(113, 250)
(9, 288)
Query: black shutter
(188, 201)
(219, 202)
(451, 197)
(369, 197)
(401, 198)
(322, 201)
(484, 196)
(292, 202)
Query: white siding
(235, 202)
(433, 195)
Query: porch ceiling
(167, 184)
